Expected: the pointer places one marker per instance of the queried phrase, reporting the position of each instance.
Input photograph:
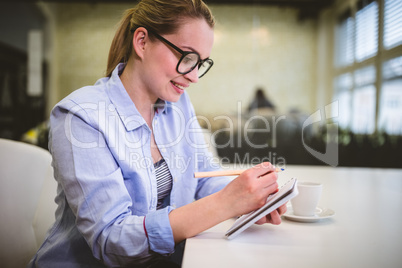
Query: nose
(193, 75)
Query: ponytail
(121, 47)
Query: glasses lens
(188, 62)
(204, 67)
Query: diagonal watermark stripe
(331, 155)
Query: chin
(174, 98)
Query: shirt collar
(125, 107)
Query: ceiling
(307, 8)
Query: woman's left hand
(274, 217)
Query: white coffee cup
(305, 203)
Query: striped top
(163, 181)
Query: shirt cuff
(160, 234)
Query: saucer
(320, 213)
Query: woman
(125, 150)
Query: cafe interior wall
(255, 46)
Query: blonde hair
(160, 16)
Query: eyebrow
(194, 50)
(191, 48)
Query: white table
(366, 230)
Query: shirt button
(175, 179)
(163, 150)
(173, 206)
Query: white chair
(27, 207)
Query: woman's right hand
(250, 190)
(246, 193)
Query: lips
(179, 88)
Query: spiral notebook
(274, 201)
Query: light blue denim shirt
(106, 178)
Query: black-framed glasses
(189, 59)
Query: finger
(282, 209)
(275, 218)
(262, 220)
(263, 176)
(269, 179)
(270, 185)
(268, 182)
(262, 169)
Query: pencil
(224, 173)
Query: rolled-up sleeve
(159, 231)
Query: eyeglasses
(189, 59)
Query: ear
(140, 38)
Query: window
(366, 31)
(390, 118)
(364, 101)
(344, 38)
(368, 67)
(392, 23)
(343, 86)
